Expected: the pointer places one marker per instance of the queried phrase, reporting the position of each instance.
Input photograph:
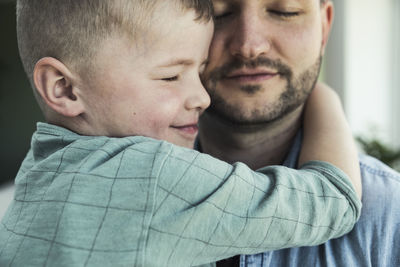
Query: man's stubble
(293, 96)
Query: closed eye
(284, 14)
(170, 79)
(222, 15)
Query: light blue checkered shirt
(136, 201)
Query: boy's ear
(55, 83)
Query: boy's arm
(327, 136)
(206, 209)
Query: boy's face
(151, 87)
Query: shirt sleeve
(205, 209)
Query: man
(264, 61)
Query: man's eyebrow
(220, 3)
(177, 62)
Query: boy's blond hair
(70, 30)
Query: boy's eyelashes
(173, 78)
(170, 79)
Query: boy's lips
(188, 131)
(251, 75)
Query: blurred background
(362, 63)
(18, 110)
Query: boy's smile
(188, 130)
(151, 87)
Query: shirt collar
(291, 158)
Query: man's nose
(250, 37)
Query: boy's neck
(267, 145)
(78, 124)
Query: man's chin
(237, 122)
(254, 121)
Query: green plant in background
(376, 148)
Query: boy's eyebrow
(177, 62)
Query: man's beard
(295, 94)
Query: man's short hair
(70, 30)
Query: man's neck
(258, 147)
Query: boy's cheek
(169, 102)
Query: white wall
(360, 63)
(396, 74)
(369, 64)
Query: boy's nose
(198, 99)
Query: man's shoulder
(375, 233)
(379, 181)
(381, 193)
(372, 167)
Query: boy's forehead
(218, 3)
(168, 40)
(172, 22)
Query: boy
(100, 188)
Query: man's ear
(327, 13)
(57, 87)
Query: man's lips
(251, 75)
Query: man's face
(265, 57)
(151, 87)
